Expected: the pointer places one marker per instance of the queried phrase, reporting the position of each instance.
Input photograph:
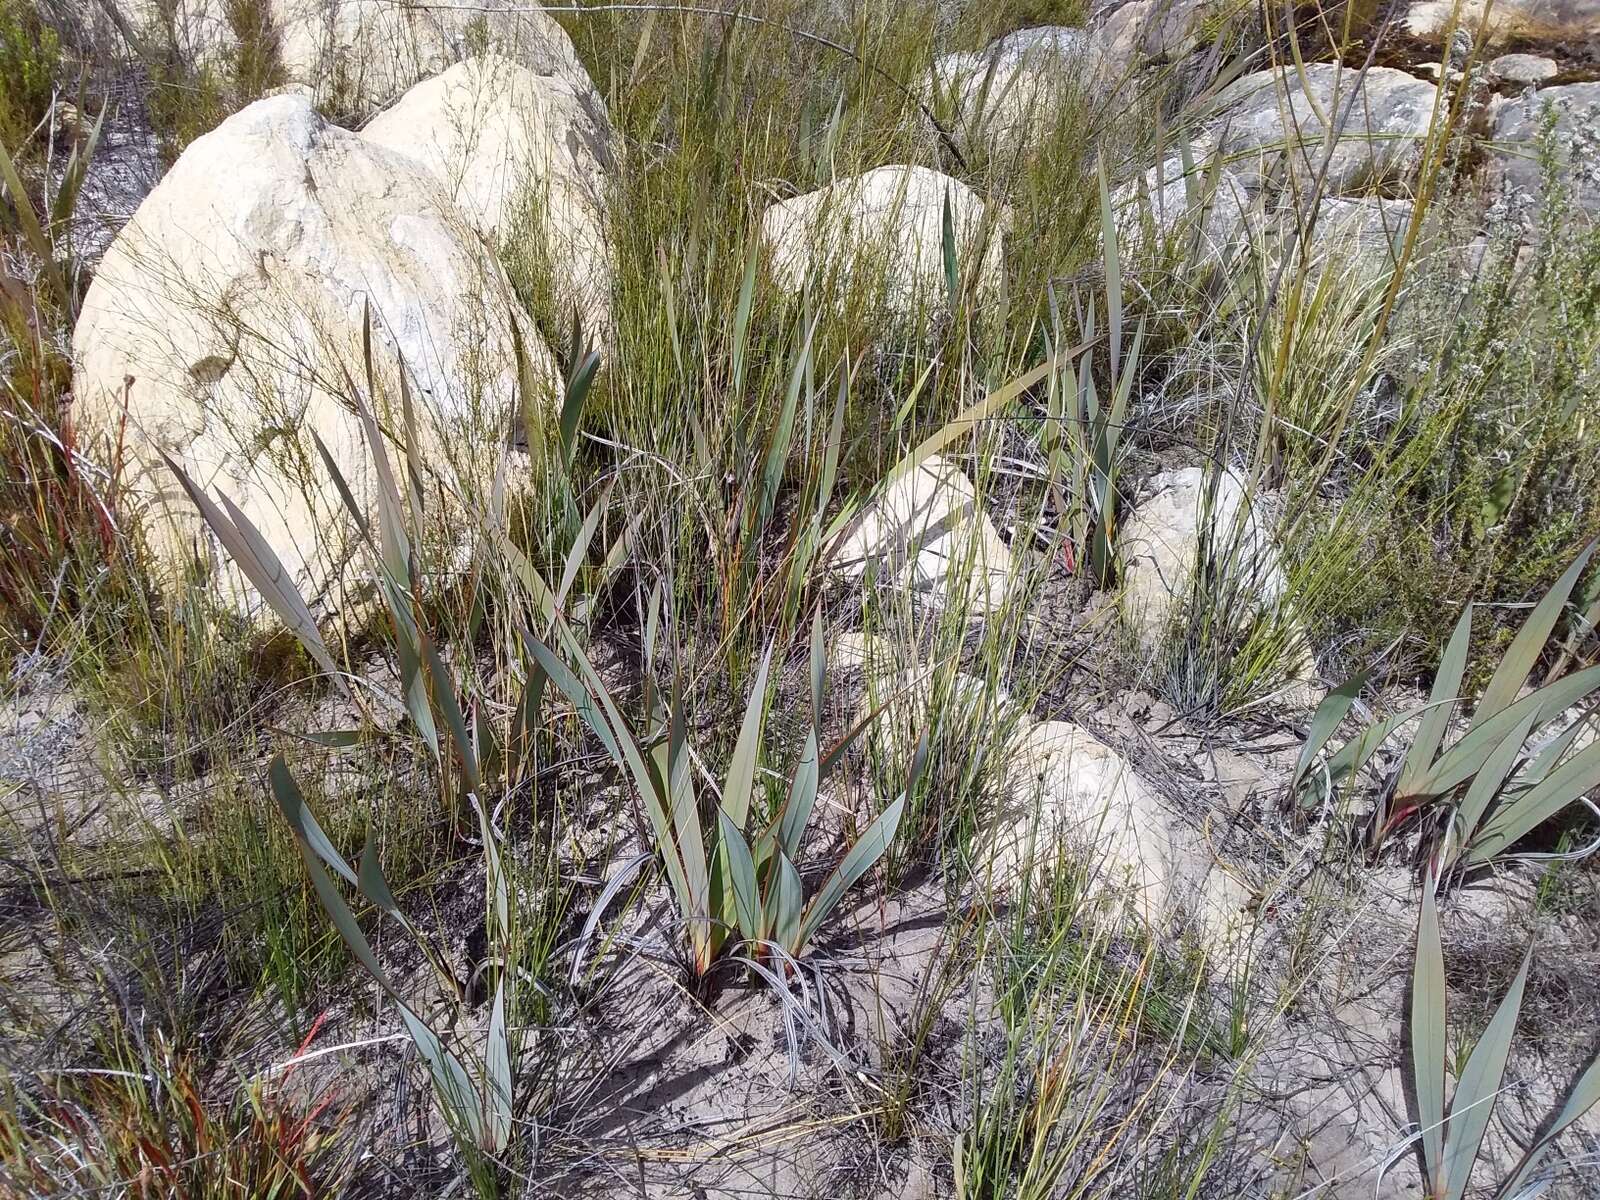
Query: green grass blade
(576, 397)
(1523, 654)
(952, 273)
(741, 315)
(578, 552)
(1428, 1034)
(1478, 1089)
(27, 221)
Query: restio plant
(1449, 1139)
(1509, 771)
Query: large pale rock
(1140, 31)
(1368, 232)
(1525, 69)
(1008, 93)
(359, 55)
(1264, 117)
(1074, 795)
(1204, 216)
(1517, 128)
(884, 231)
(928, 532)
(521, 154)
(1161, 541)
(232, 306)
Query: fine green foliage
(727, 875)
(1508, 771)
(1450, 1139)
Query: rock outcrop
(1180, 526)
(1516, 168)
(522, 155)
(884, 231)
(1005, 95)
(227, 314)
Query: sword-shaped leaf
(1428, 1033)
(1436, 717)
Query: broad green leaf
(686, 822)
(579, 550)
(298, 813)
(742, 767)
(32, 232)
(740, 872)
(1523, 654)
(442, 689)
(1517, 816)
(1581, 1097)
(782, 912)
(343, 487)
(572, 403)
(1428, 1032)
(1113, 265)
(497, 1074)
(802, 797)
(860, 859)
(1436, 718)
(1490, 779)
(819, 669)
(451, 1083)
(253, 556)
(1478, 1089)
(1324, 722)
(1457, 764)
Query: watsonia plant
(728, 876)
(1081, 438)
(1510, 770)
(1450, 1138)
(474, 1094)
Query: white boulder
(1205, 213)
(1074, 796)
(1267, 117)
(884, 231)
(522, 155)
(359, 55)
(227, 314)
(1008, 92)
(928, 532)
